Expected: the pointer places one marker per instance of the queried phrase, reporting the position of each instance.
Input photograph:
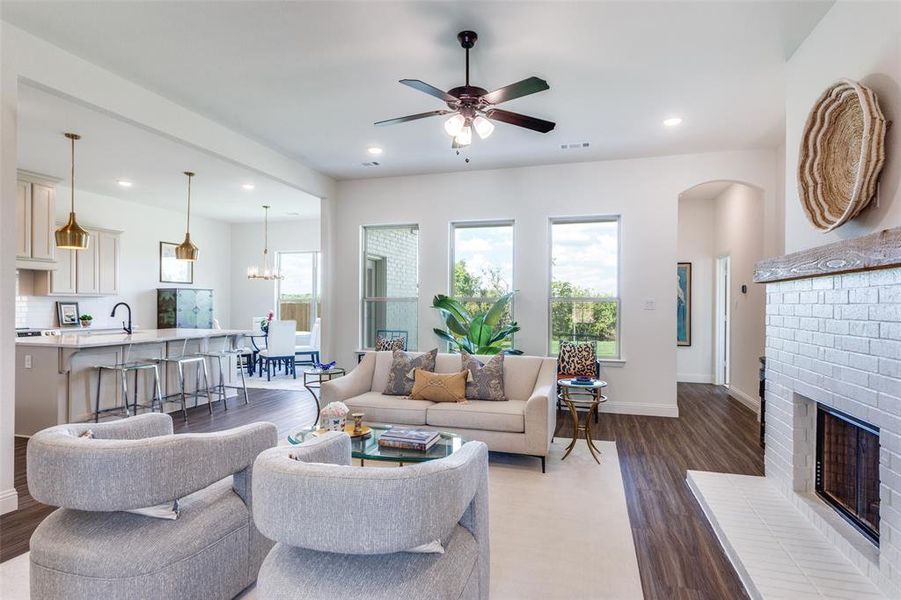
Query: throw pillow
(439, 387)
(383, 343)
(577, 359)
(484, 381)
(400, 377)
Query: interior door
(723, 321)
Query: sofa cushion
(380, 408)
(439, 387)
(487, 415)
(123, 544)
(485, 380)
(290, 572)
(400, 377)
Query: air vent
(371, 163)
(576, 146)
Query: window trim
(363, 298)
(314, 310)
(608, 218)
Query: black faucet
(113, 314)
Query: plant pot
(86, 323)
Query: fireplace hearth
(847, 468)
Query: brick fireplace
(833, 369)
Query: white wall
(696, 242)
(643, 191)
(143, 228)
(854, 40)
(252, 298)
(739, 226)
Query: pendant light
(264, 272)
(72, 236)
(187, 250)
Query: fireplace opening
(847, 468)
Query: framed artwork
(68, 314)
(173, 270)
(683, 304)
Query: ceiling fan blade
(431, 113)
(516, 90)
(429, 89)
(533, 123)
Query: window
(481, 264)
(390, 304)
(298, 292)
(584, 293)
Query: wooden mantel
(881, 250)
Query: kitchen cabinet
(35, 222)
(90, 272)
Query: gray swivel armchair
(90, 549)
(343, 531)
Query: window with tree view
(584, 294)
(482, 263)
(390, 284)
(298, 292)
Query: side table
(313, 378)
(582, 395)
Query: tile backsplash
(39, 312)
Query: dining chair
(310, 350)
(279, 347)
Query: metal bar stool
(199, 363)
(123, 369)
(221, 386)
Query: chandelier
(264, 271)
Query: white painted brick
(810, 324)
(888, 403)
(835, 296)
(887, 348)
(853, 344)
(885, 277)
(885, 312)
(864, 328)
(811, 297)
(821, 283)
(891, 331)
(890, 294)
(825, 311)
(891, 368)
(804, 310)
(864, 362)
(858, 312)
(791, 297)
(866, 295)
(856, 280)
(850, 375)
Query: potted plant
(86, 320)
(479, 333)
(264, 326)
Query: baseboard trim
(749, 401)
(645, 409)
(9, 501)
(694, 378)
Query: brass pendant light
(72, 236)
(187, 250)
(265, 272)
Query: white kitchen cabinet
(90, 272)
(35, 222)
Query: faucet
(127, 328)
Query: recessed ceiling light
(124, 183)
(672, 121)
(374, 150)
(248, 186)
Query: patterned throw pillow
(439, 387)
(485, 381)
(577, 359)
(400, 377)
(383, 343)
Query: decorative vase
(86, 323)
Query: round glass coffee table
(367, 448)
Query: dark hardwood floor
(678, 554)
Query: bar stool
(123, 368)
(221, 386)
(199, 363)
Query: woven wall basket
(842, 152)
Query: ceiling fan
(473, 107)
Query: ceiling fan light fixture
(454, 125)
(483, 126)
(464, 138)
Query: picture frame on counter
(173, 270)
(68, 314)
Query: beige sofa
(523, 424)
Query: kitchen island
(56, 376)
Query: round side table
(313, 378)
(582, 395)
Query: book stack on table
(409, 439)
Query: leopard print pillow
(400, 377)
(391, 344)
(577, 359)
(484, 381)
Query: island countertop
(99, 339)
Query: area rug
(563, 534)
(280, 382)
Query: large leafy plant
(479, 333)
